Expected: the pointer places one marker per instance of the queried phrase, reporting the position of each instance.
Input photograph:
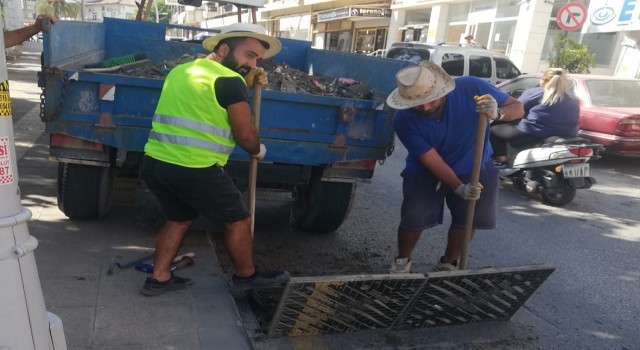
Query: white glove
(487, 105)
(260, 155)
(469, 192)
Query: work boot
(261, 279)
(400, 265)
(445, 266)
(153, 287)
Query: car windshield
(614, 93)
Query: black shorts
(185, 192)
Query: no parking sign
(571, 16)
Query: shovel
(253, 162)
(475, 180)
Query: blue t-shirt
(454, 134)
(559, 119)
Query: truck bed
(116, 110)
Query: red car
(609, 109)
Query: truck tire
(84, 191)
(321, 206)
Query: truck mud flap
(345, 304)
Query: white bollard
(24, 322)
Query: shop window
(339, 41)
(455, 32)
(365, 41)
(503, 33)
(458, 12)
(507, 8)
(602, 45)
(381, 38)
(480, 66)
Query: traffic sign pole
(24, 321)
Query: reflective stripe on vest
(189, 127)
(193, 124)
(190, 141)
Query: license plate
(576, 170)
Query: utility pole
(24, 321)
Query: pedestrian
(18, 36)
(203, 111)
(549, 110)
(436, 120)
(470, 41)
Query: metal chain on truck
(390, 148)
(52, 72)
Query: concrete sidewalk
(108, 312)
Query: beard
(230, 62)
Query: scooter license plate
(576, 170)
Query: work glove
(260, 155)
(469, 191)
(256, 75)
(487, 105)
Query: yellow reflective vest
(189, 127)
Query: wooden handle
(475, 180)
(253, 162)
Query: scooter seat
(548, 141)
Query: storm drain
(461, 297)
(345, 304)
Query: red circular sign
(571, 16)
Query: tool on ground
(253, 162)
(179, 262)
(475, 180)
(128, 264)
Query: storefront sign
(347, 12)
(370, 12)
(607, 16)
(333, 14)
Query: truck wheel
(321, 206)
(559, 196)
(84, 191)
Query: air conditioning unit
(226, 8)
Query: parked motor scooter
(554, 167)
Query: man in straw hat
(203, 111)
(437, 120)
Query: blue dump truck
(319, 147)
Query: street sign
(571, 16)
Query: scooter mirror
(195, 3)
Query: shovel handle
(475, 180)
(253, 162)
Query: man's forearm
(15, 37)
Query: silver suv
(458, 60)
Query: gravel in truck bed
(280, 77)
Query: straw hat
(419, 84)
(244, 30)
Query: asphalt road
(589, 302)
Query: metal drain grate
(460, 297)
(343, 304)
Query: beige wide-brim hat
(245, 30)
(419, 84)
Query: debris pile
(281, 77)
